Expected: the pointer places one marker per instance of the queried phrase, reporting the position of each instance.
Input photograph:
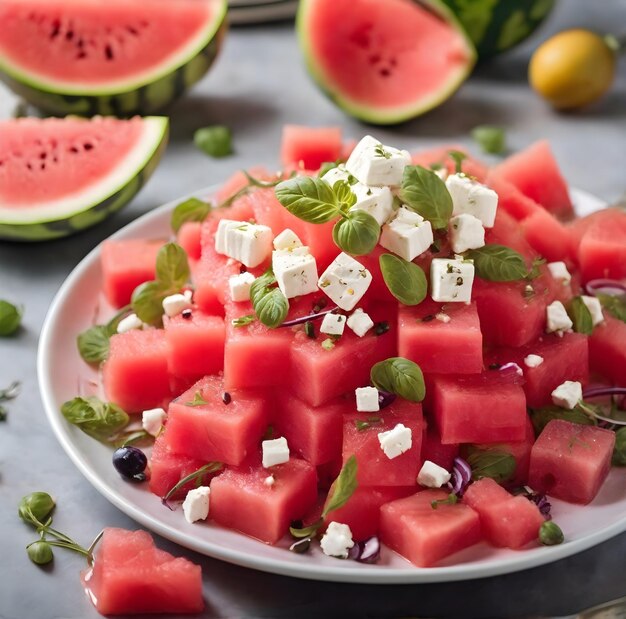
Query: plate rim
(309, 571)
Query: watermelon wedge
(60, 176)
(114, 57)
(384, 62)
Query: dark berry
(130, 462)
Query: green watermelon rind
(143, 97)
(372, 114)
(112, 201)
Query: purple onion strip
(367, 551)
(303, 319)
(385, 399)
(512, 366)
(608, 286)
(594, 392)
(461, 476)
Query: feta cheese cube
(367, 399)
(337, 540)
(557, 318)
(175, 304)
(432, 475)
(296, 274)
(128, 323)
(333, 324)
(568, 394)
(396, 441)
(239, 286)
(533, 361)
(408, 234)
(558, 270)
(250, 244)
(345, 281)
(451, 280)
(441, 317)
(152, 420)
(287, 240)
(595, 309)
(360, 322)
(470, 196)
(275, 451)
(377, 201)
(372, 163)
(466, 232)
(338, 174)
(196, 504)
(223, 227)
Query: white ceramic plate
(62, 375)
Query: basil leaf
(189, 210)
(215, 141)
(498, 263)
(93, 344)
(494, 463)
(10, 318)
(243, 321)
(425, 193)
(100, 420)
(199, 476)
(357, 233)
(327, 166)
(198, 400)
(458, 157)
(147, 302)
(614, 305)
(261, 286)
(344, 196)
(308, 198)
(172, 267)
(490, 138)
(581, 316)
(272, 309)
(400, 376)
(308, 531)
(540, 417)
(343, 487)
(406, 281)
(619, 451)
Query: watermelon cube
(570, 461)
(378, 290)
(511, 201)
(452, 347)
(126, 264)
(602, 250)
(189, 238)
(238, 181)
(310, 147)
(131, 576)
(135, 375)
(424, 535)
(214, 430)
(547, 235)
(241, 500)
(607, 349)
(435, 451)
(440, 156)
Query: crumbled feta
(196, 504)
(466, 232)
(269, 481)
(407, 234)
(558, 270)
(338, 174)
(451, 280)
(239, 286)
(296, 274)
(557, 318)
(470, 196)
(275, 451)
(373, 163)
(367, 399)
(442, 317)
(287, 240)
(333, 324)
(595, 309)
(533, 361)
(337, 540)
(175, 304)
(129, 323)
(152, 420)
(377, 201)
(345, 281)
(568, 394)
(360, 322)
(432, 475)
(250, 244)
(396, 441)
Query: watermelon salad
(369, 351)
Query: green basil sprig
(583, 415)
(426, 194)
(198, 476)
(581, 316)
(490, 138)
(498, 263)
(497, 464)
(458, 157)
(10, 318)
(400, 376)
(93, 343)
(215, 141)
(406, 281)
(100, 420)
(270, 304)
(189, 211)
(357, 233)
(614, 305)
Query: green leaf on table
(172, 267)
(425, 193)
(400, 376)
(100, 420)
(494, 463)
(10, 318)
(580, 316)
(189, 211)
(490, 138)
(308, 198)
(498, 263)
(343, 487)
(357, 233)
(406, 281)
(215, 141)
(614, 305)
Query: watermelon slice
(113, 57)
(384, 62)
(60, 176)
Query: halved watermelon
(384, 62)
(115, 57)
(60, 176)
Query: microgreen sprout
(550, 534)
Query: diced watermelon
(579, 226)
(602, 250)
(485, 408)
(189, 238)
(453, 347)
(135, 375)
(378, 290)
(216, 431)
(126, 264)
(310, 147)
(440, 156)
(424, 535)
(435, 451)
(607, 349)
(570, 461)
(548, 235)
(328, 472)
(241, 500)
(536, 174)
(506, 231)
(239, 180)
(506, 521)
(131, 576)
(510, 199)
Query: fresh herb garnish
(400, 376)
(490, 138)
(614, 305)
(10, 318)
(498, 263)
(379, 151)
(451, 499)
(458, 157)
(580, 315)
(550, 534)
(270, 304)
(356, 233)
(362, 425)
(406, 281)
(309, 329)
(197, 476)
(198, 400)
(540, 417)
(100, 420)
(328, 344)
(619, 451)
(93, 343)
(426, 194)
(189, 210)
(215, 141)
(243, 321)
(494, 463)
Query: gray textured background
(258, 84)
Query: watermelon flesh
(309, 147)
(607, 349)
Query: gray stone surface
(258, 84)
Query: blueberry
(130, 463)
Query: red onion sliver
(612, 287)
